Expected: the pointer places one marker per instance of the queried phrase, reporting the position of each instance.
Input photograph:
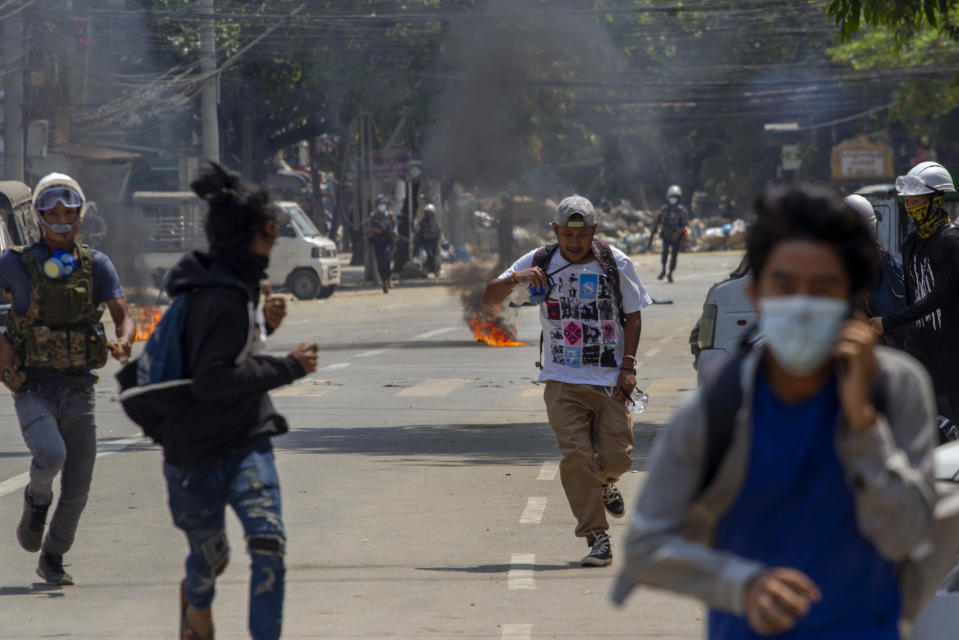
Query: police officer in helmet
(53, 341)
(671, 222)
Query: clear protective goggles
(48, 198)
(911, 186)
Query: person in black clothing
(427, 238)
(671, 222)
(216, 430)
(931, 266)
(381, 228)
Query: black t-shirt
(931, 268)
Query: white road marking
(433, 388)
(652, 352)
(533, 513)
(521, 578)
(517, 632)
(367, 354)
(548, 471)
(103, 449)
(533, 392)
(665, 340)
(336, 365)
(433, 333)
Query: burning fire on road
(146, 319)
(489, 327)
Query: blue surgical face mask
(673, 200)
(381, 208)
(801, 331)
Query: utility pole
(208, 96)
(15, 59)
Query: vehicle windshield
(298, 219)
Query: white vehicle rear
(171, 223)
(940, 617)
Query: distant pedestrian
(381, 230)
(931, 265)
(671, 223)
(216, 425)
(54, 339)
(590, 312)
(427, 239)
(792, 491)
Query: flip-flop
(186, 633)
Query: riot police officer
(671, 222)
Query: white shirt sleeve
(523, 263)
(632, 290)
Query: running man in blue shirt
(803, 521)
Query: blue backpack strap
(163, 357)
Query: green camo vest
(61, 328)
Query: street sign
(391, 165)
(790, 158)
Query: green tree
(904, 18)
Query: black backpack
(605, 260)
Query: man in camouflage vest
(53, 339)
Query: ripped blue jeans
(247, 481)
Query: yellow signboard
(861, 159)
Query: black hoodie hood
(197, 270)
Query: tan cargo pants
(594, 433)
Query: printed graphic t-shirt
(582, 337)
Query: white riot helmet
(430, 208)
(924, 178)
(674, 191)
(863, 207)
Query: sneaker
(51, 570)
(32, 521)
(613, 501)
(600, 553)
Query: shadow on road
(512, 443)
(37, 588)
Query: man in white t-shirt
(591, 331)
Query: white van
(170, 223)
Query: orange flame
(146, 319)
(487, 328)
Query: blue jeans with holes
(247, 481)
(57, 422)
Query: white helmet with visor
(924, 178)
(54, 188)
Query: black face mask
(248, 266)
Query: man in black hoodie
(215, 425)
(931, 265)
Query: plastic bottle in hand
(638, 400)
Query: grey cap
(575, 204)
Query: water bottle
(638, 400)
(531, 297)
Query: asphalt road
(420, 487)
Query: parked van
(18, 223)
(170, 223)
